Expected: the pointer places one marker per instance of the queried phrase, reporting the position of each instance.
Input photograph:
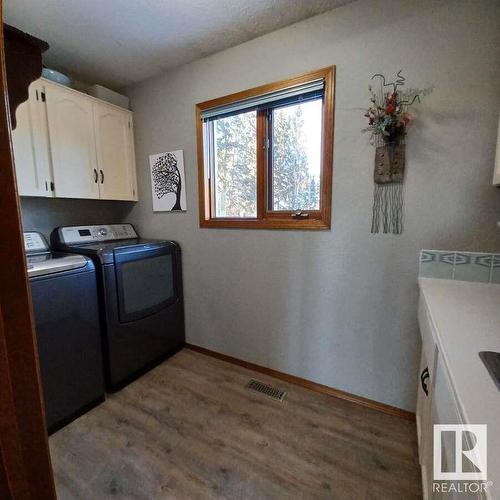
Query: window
(265, 155)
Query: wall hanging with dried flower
(389, 116)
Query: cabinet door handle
(95, 175)
(102, 176)
(424, 377)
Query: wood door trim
(25, 458)
(12, 473)
(308, 384)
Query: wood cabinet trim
(23, 61)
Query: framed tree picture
(168, 183)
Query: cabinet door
(71, 131)
(115, 152)
(31, 146)
(424, 420)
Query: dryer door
(146, 278)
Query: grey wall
(339, 307)
(42, 214)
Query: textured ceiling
(120, 42)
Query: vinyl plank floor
(189, 429)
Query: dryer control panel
(71, 235)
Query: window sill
(271, 223)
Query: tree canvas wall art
(168, 183)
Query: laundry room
(250, 249)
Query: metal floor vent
(268, 390)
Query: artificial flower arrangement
(389, 116)
(390, 113)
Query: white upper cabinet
(70, 145)
(72, 142)
(31, 146)
(115, 152)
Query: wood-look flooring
(189, 429)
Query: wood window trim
(317, 219)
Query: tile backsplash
(462, 266)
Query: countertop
(466, 319)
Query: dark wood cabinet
(23, 62)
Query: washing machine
(64, 295)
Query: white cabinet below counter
(73, 144)
(458, 320)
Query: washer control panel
(34, 242)
(70, 235)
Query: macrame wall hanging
(389, 115)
